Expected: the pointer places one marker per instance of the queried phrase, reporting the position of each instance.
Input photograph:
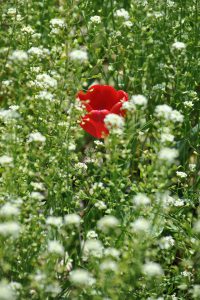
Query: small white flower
(176, 116)
(129, 106)
(141, 225)
(72, 219)
(28, 29)
(9, 209)
(114, 123)
(178, 45)
(12, 11)
(9, 228)
(152, 269)
(57, 23)
(81, 166)
(107, 222)
(54, 221)
(6, 292)
(139, 100)
(109, 265)
(192, 167)
(81, 277)
(100, 205)
(93, 248)
(122, 13)
(36, 137)
(166, 242)
(168, 154)
(19, 56)
(181, 174)
(8, 114)
(6, 160)
(95, 19)
(128, 24)
(189, 104)
(45, 95)
(166, 137)
(112, 252)
(92, 235)
(44, 81)
(55, 247)
(78, 55)
(37, 196)
(196, 291)
(141, 199)
(38, 52)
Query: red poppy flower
(99, 101)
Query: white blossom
(78, 55)
(141, 199)
(9, 228)
(44, 95)
(6, 160)
(107, 222)
(81, 277)
(109, 265)
(113, 252)
(181, 174)
(179, 45)
(55, 247)
(152, 269)
(72, 219)
(122, 13)
(95, 19)
(54, 221)
(9, 209)
(57, 23)
(36, 137)
(139, 100)
(6, 292)
(141, 225)
(19, 56)
(91, 234)
(166, 242)
(92, 247)
(114, 123)
(168, 154)
(44, 81)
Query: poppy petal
(95, 128)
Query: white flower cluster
(122, 13)
(165, 111)
(44, 81)
(72, 219)
(107, 222)
(141, 199)
(95, 19)
(152, 269)
(57, 23)
(9, 114)
(139, 100)
(178, 45)
(6, 160)
(54, 221)
(80, 277)
(9, 209)
(9, 229)
(166, 242)
(168, 154)
(45, 95)
(78, 55)
(55, 247)
(114, 123)
(36, 137)
(181, 174)
(141, 225)
(6, 291)
(19, 56)
(92, 247)
(39, 52)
